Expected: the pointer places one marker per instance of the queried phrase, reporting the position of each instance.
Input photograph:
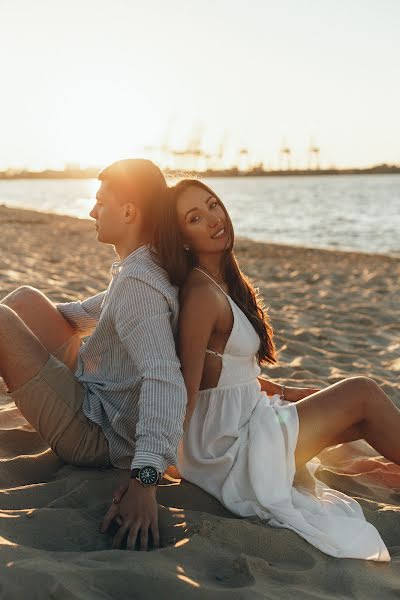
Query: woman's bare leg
(40, 315)
(355, 408)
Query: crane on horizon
(313, 156)
(285, 156)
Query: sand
(335, 314)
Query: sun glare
(101, 123)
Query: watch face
(148, 475)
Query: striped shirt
(128, 366)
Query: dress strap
(213, 352)
(213, 280)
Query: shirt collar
(133, 257)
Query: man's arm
(83, 315)
(142, 321)
(143, 324)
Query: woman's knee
(365, 391)
(362, 383)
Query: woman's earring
(187, 249)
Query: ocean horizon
(342, 212)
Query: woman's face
(203, 223)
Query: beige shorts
(52, 403)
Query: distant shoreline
(91, 173)
(30, 216)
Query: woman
(246, 439)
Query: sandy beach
(335, 314)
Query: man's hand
(136, 514)
(293, 394)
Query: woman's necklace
(215, 277)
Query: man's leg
(40, 315)
(22, 355)
(48, 395)
(43, 388)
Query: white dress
(239, 447)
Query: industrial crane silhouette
(313, 155)
(285, 156)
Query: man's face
(109, 215)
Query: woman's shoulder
(198, 290)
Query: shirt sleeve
(83, 315)
(143, 323)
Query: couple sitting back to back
(129, 398)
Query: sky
(90, 81)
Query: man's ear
(130, 211)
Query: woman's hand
(113, 512)
(293, 394)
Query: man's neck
(126, 247)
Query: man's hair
(137, 180)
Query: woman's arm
(269, 387)
(198, 316)
(292, 394)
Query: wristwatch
(147, 476)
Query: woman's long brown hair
(178, 263)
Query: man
(123, 403)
